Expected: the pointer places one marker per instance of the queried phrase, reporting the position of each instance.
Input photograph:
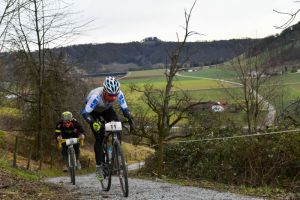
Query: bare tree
(8, 9)
(290, 115)
(167, 107)
(291, 15)
(258, 90)
(39, 25)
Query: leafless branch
(17, 95)
(291, 15)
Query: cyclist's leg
(77, 150)
(99, 157)
(77, 153)
(64, 152)
(98, 149)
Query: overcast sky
(133, 20)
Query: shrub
(257, 161)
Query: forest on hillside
(151, 53)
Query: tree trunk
(160, 157)
(15, 152)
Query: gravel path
(90, 188)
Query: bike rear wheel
(106, 167)
(72, 161)
(120, 167)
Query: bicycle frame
(117, 164)
(71, 155)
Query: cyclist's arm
(123, 105)
(80, 131)
(89, 107)
(125, 109)
(58, 130)
(79, 128)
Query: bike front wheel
(120, 167)
(72, 161)
(106, 182)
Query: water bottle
(109, 151)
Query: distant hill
(150, 53)
(281, 50)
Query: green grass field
(199, 89)
(288, 78)
(156, 78)
(146, 73)
(289, 81)
(214, 72)
(293, 91)
(205, 89)
(217, 94)
(179, 83)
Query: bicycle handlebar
(70, 141)
(131, 124)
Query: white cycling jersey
(96, 102)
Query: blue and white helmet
(111, 85)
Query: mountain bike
(115, 165)
(71, 155)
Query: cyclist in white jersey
(99, 103)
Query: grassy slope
(217, 73)
(21, 184)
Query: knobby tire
(72, 165)
(106, 182)
(120, 167)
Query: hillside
(150, 53)
(281, 50)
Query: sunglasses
(109, 97)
